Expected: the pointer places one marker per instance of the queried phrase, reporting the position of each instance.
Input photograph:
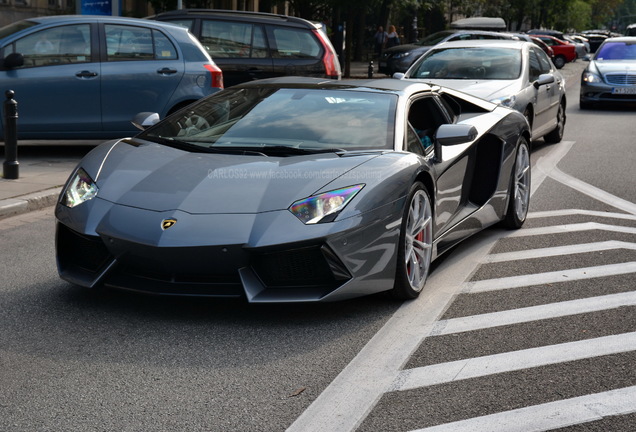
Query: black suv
(254, 45)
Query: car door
(58, 87)
(240, 49)
(141, 69)
(425, 115)
(547, 97)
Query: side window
(124, 43)
(293, 43)
(535, 66)
(424, 118)
(546, 67)
(229, 39)
(58, 45)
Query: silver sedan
(516, 74)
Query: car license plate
(624, 90)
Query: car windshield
(470, 63)
(617, 51)
(273, 119)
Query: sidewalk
(42, 173)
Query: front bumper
(269, 257)
(602, 92)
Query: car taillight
(216, 74)
(332, 65)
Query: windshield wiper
(278, 150)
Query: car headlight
(590, 77)
(80, 189)
(323, 207)
(508, 101)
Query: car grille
(621, 79)
(309, 266)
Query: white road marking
(549, 416)
(558, 251)
(513, 361)
(534, 313)
(560, 229)
(550, 277)
(576, 212)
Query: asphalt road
(531, 330)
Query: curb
(30, 202)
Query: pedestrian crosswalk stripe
(550, 415)
(560, 229)
(549, 277)
(512, 361)
(534, 313)
(558, 251)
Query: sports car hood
(485, 89)
(160, 178)
(609, 66)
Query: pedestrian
(392, 37)
(379, 40)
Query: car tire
(415, 245)
(519, 190)
(559, 61)
(556, 135)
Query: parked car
(294, 189)
(630, 30)
(610, 77)
(86, 76)
(564, 52)
(401, 57)
(580, 48)
(538, 42)
(251, 45)
(515, 74)
(595, 38)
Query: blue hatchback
(87, 76)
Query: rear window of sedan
(470, 63)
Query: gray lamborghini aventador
(294, 189)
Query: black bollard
(370, 69)
(11, 166)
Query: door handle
(166, 71)
(86, 74)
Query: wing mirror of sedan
(13, 60)
(144, 120)
(399, 75)
(543, 80)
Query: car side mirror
(587, 57)
(453, 134)
(144, 120)
(543, 80)
(14, 60)
(399, 75)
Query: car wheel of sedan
(559, 61)
(415, 245)
(519, 192)
(556, 135)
